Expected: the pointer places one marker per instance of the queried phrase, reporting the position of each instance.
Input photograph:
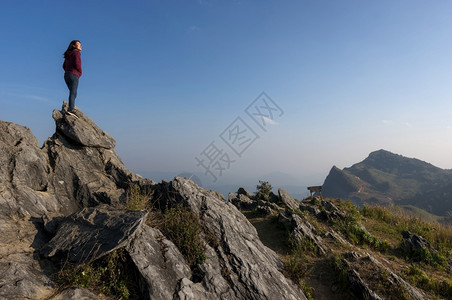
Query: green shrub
(358, 236)
(307, 290)
(428, 257)
(110, 274)
(263, 190)
(136, 199)
(183, 228)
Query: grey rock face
(360, 288)
(61, 198)
(240, 266)
(58, 179)
(93, 232)
(163, 268)
(302, 228)
(313, 210)
(414, 242)
(76, 294)
(23, 173)
(243, 202)
(288, 201)
(82, 130)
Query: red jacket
(73, 63)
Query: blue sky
(166, 78)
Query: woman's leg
(72, 84)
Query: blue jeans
(72, 84)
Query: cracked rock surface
(66, 199)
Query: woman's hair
(71, 47)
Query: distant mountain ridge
(386, 178)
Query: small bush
(110, 275)
(358, 236)
(304, 244)
(183, 228)
(307, 290)
(136, 199)
(428, 257)
(263, 190)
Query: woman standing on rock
(72, 71)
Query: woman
(72, 71)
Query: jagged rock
(93, 232)
(335, 236)
(24, 168)
(76, 294)
(159, 262)
(302, 228)
(239, 266)
(329, 206)
(245, 192)
(412, 291)
(359, 288)
(82, 130)
(268, 204)
(414, 242)
(188, 290)
(284, 218)
(331, 215)
(245, 203)
(58, 179)
(274, 198)
(288, 201)
(86, 175)
(264, 210)
(231, 197)
(313, 210)
(57, 189)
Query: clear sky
(172, 80)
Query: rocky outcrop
(301, 228)
(414, 243)
(243, 202)
(366, 274)
(66, 199)
(289, 202)
(239, 266)
(93, 232)
(81, 129)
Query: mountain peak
(388, 178)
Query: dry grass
(323, 276)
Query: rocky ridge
(65, 201)
(311, 225)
